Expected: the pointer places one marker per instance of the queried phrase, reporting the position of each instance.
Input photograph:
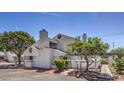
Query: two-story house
(46, 49)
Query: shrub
(66, 64)
(103, 62)
(119, 65)
(60, 63)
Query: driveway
(33, 75)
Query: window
(30, 57)
(59, 36)
(63, 57)
(53, 45)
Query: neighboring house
(2, 55)
(10, 57)
(41, 54)
(7, 56)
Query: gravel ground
(32, 75)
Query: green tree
(97, 47)
(119, 65)
(75, 48)
(93, 47)
(16, 42)
(88, 48)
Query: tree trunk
(87, 67)
(70, 60)
(95, 61)
(19, 60)
(87, 64)
(81, 63)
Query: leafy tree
(93, 47)
(16, 42)
(75, 48)
(118, 51)
(119, 65)
(97, 47)
(119, 62)
(3, 46)
(88, 48)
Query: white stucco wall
(40, 57)
(43, 60)
(75, 61)
(2, 54)
(64, 41)
(35, 52)
(10, 57)
(55, 54)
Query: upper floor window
(53, 45)
(59, 36)
(63, 57)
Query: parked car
(104, 77)
(90, 77)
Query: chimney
(43, 34)
(43, 37)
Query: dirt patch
(54, 71)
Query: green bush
(60, 63)
(103, 62)
(66, 64)
(119, 65)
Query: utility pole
(113, 49)
(113, 45)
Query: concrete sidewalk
(105, 69)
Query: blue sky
(108, 26)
